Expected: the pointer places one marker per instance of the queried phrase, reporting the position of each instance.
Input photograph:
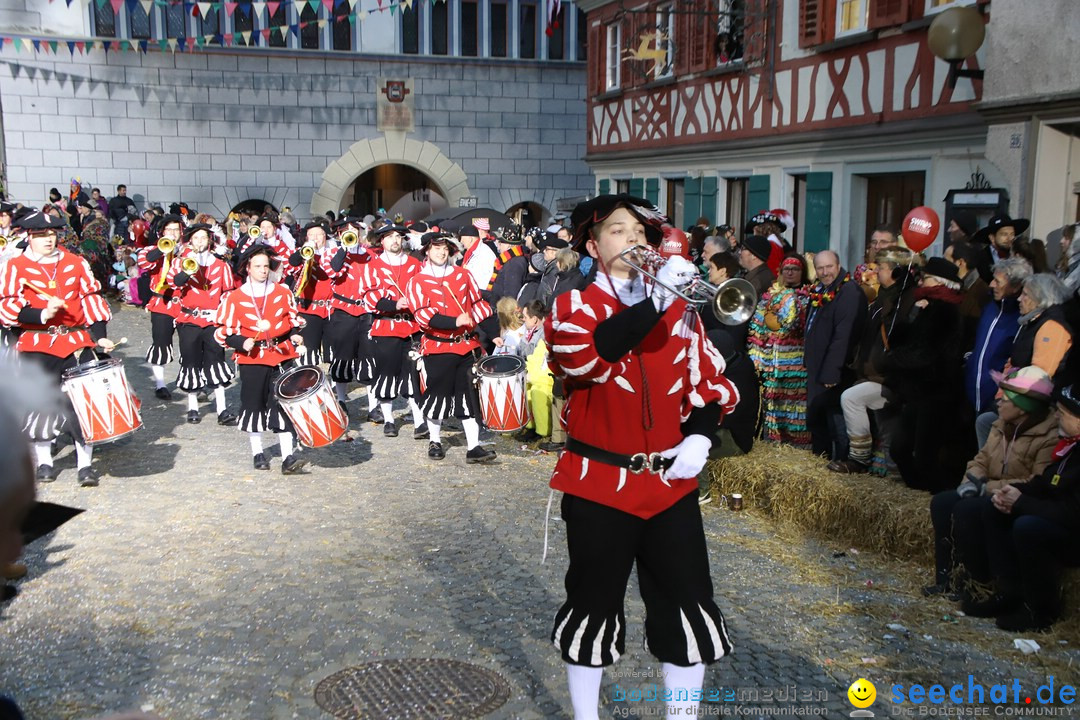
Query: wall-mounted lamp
(955, 35)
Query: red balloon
(920, 228)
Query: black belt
(400, 317)
(58, 330)
(313, 303)
(199, 312)
(349, 301)
(451, 339)
(273, 342)
(636, 463)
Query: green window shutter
(708, 199)
(692, 200)
(605, 187)
(818, 213)
(637, 187)
(757, 195)
(652, 190)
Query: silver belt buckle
(57, 330)
(640, 463)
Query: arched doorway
(529, 214)
(252, 206)
(395, 188)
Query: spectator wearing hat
(965, 257)
(1021, 444)
(507, 276)
(770, 225)
(998, 324)
(753, 256)
(555, 277)
(835, 318)
(1020, 537)
(895, 299)
(996, 240)
(962, 227)
(76, 196)
(922, 369)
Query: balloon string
(900, 297)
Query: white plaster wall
(1053, 191)
(1031, 49)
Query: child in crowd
(511, 327)
(539, 381)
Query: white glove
(676, 273)
(690, 457)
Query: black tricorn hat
(592, 212)
(35, 222)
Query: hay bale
(862, 511)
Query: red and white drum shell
(306, 396)
(501, 384)
(104, 403)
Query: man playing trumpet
(313, 289)
(200, 279)
(164, 305)
(54, 298)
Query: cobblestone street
(197, 587)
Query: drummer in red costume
(349, 329)
(313, 289)
(393, 329)
(202, 359)
(259, 321)
(164, 306)
(53, 297)
(645, 395)
(447, 306)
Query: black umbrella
(495, 219)
(440, 216)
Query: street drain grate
(408, 689)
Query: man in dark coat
(965, 257)
(753, 257)
(834, 324)
(511, 269)
(121, 210)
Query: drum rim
(121, 436)
(91, 367)
(482, 372)
(314, 389)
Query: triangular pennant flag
(207, 39)
(329, 5)
(314, 5)
(204, 9)
(228, 37)
(15, 42)
(143, 45)
(116, 5)
(266, 33)
(71, 47)
(362, 15)
(199, 41)
(162, 44)
(2, 39)
(304, 25)
(393, 8)
(115, 46)
(171, 42)
(191, 43)
(230, 8)
(273, 7)
(247, 37)
(101, 3)
(352, 4)
(147, 6)
(298, 6)
(294, 29)
(322, 23)
(54, 45)
(81, 46)
(37, 44)
(258, 6)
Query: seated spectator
(994, 334)
(1044, 337)
(775, 345)
(922, 370)
(1021, 444)
(895, 298)
(1021, 536)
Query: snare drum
(500, 380)
(106, 407)
(306, 396)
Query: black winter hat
(758, 246)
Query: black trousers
(683, 625)
(316, 341)
(1022, 555)
(350, 339)
(202, 359)
(449, 390)
(45, 426)
(916, 446)
(259, 408)
(825, 421)
(162, 327)
(942, 507)
(395, 370)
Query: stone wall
(215, 128)
(1030, 49)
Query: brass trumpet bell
(166, 245)
(190, 265)
(254, 232)
(349, 239)
(734, 301)
(4, 240)
(307, 252)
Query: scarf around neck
(502, 259)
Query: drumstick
(41, 291)
(460, 306)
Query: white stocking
(682, 682)
(192, 402)
(417, 415)
(219, 399)
(388, 411)
(584, 684)
(43, 450)
(256, 443)
(342, 390)
(435, 428)
(372, 401)
(83, 454)
(158, 371)
(472, 432)
(285, 441)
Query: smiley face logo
(862, 693)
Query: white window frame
(613, 57)
(864, 9)
(665, 16)
(930, 9)
(723, 25)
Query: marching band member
(447, 306)
(645, 395)
(313, 288)
(10, 249)
(53, 296)
(393, 330)
(200, 279)
(349, 329)
(164, 306)
(259, 321)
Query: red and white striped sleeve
(227, 319)
(146, 265)
(705, 367)
(479, 309)
(12, 300)
(95, 307)
(174, 267)
(419, 303)
(573, 351)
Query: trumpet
(190, 265)
(307, 252)
(4, 240)
(168, 246)
(349, 239)
(254, 232)
(732, 301)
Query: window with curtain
(665, 41)
(614, 51)
(729, 31)
(499, 27)
(850, 16)
(176, 21)
(104, 20)
(139, 21)
(557, 39)
(309, 34)
(410, 31)
(527, 35)
(469, 37)
(440, 37)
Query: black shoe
(551, 446)
(162, 393)
(227, 417)
(993, 606)
(389, 429)
(88, 477)
(46, 473)
(480, 454)
(193, 417)
(375, 417)
(435, 451)
(1024, 620)
(292, 465)
(420, 432)
(528, 435)
(261, 462)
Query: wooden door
(890, 197)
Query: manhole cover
(406, 689)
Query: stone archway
(364, 155)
